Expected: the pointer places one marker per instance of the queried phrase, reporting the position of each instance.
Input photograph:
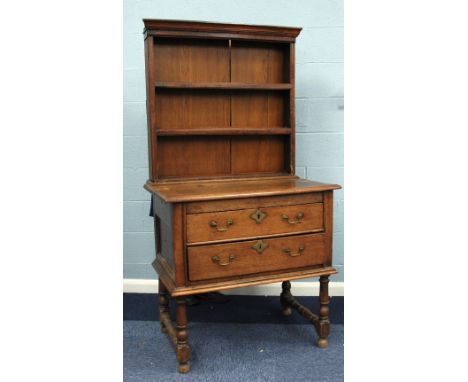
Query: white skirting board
(298, 288)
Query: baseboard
(300, 288)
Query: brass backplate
(260, 246)
(258, 216)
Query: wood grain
(235, 189)
(207, 28)
(243, 226)
(248, 261)
(190, 60)
(222, 85)
(184, 157)
(188, 109)
(264, 130)
(259, 109)
(240, 282)
(240, 204)
(266, 154)
(258, 62)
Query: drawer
(252, 222)
(255, 256)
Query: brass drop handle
(214, 224)
(217, 260)
(298, 219)
(288, 251)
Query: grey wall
(319, 103)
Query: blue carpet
(241, 309)
(223, 352)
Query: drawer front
(242, 204)
(255, 256)
(253, 222)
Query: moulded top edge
(211, 27)
(234, 189)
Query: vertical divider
(292, 110)
(268, 94)
(230, 107)
(151, 107)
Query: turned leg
(182, 347)
(285, 294)
(163, 304)
(323, 324)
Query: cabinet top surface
(231, 189)
(210, 27)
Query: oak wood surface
(192, 109)
(258, 62)
(261, 130)
(178, 225)
(266, 154)
(239, 204)
(222, 85)
(182, 156)
(234, 189)
(190, 61)
(328, 222)
(163, 226)
(259, 109)
(217, 36)
(150, 108)
(291, 154)
(238, 282)
(198, 83)
(246, 260)
(242, 225)
(208, 27)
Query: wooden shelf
(226, 131)
(222, 85)
(219, 109)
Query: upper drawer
(252, 222)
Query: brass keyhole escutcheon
(260, 246)
(258, 216)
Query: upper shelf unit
(220, 99)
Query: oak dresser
(228, 210)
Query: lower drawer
(255, 256)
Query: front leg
(284, 297)
(182, 347)
(163, 305)
(323, 324)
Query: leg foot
(286, 311)
(183, 368)
(322, 343)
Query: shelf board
(222, 85)
(226, 131)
